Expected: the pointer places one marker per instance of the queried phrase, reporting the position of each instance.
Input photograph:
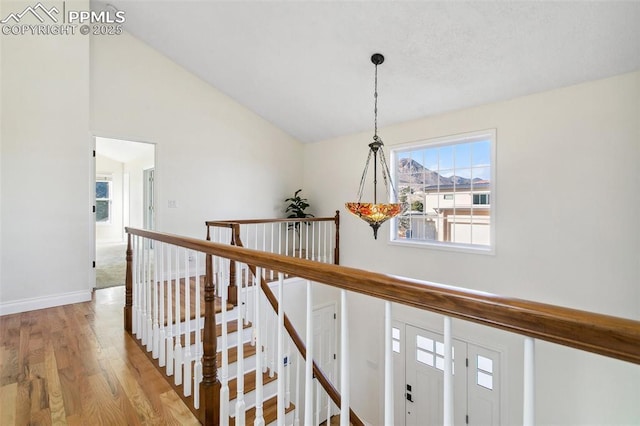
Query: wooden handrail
(226, 223)
(295, 337)
(602, 334)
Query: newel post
(336, 249)
(128, 288)
(210, 385)
(233, 290)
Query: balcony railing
(178, 290)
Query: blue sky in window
(470, 160)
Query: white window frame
(109, 179)
(396, 150)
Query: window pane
(485, 364)
(445, 157)
(424, 357)
(481, 153)
(485, 380)
(102, 211)
(395, 346)
(481, 176)
(462, 154)
(395, 333)
(102, 189)
(424, 343)
(431, 159)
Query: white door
(149, 199)
(476, 381)
(324, 353)
(425, 378)
(483, 386)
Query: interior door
(324, 347)
(424, 383)
(149, 199)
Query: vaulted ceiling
(304, 66)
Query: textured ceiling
(304, 66)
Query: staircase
(269, 377)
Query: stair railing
(614, 337)
(312, 238)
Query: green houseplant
(296, 209)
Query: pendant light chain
(375, 106)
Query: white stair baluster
(528, 412)
(286, 241)
(259, 421)
(139, 288)
(240, 404)
(149, 289)
(308, 369)
(187, 324)
(287, 371)
(169, 335)
(143, 292)
(273, 342)
(134, 284)
(162, 324)
(280, 361)
(326, 252)
(178, 356)
(318, 400)
(344, 359)
(313, 240)
(197, 365)
(448, 374)
(296, 420)
(388, 366)
(329, 403)
(156, 305)
(306, 229)
(272, 238)
(224, 376)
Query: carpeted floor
(111, 264)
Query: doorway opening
(122, 198)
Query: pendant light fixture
(375, 214)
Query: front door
(476, 381)
(425, 378)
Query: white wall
(45, 168)
(215, 158)
(567, 233)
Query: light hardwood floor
(75, 365)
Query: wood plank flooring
(75, 365)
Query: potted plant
(296, 210)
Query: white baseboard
(32, 304)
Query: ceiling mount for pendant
(377, 58)
(375, 214)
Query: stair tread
(249, 350)
(232, 327)
(249, 382)
(192, 296)
(269, 412)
